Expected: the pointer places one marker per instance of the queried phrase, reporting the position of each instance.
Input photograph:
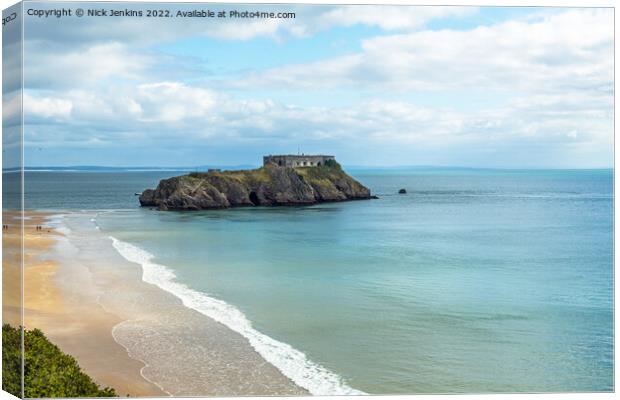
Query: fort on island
(293, 161)
(285, 180)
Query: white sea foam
(291, 362)
(94, 221)
(56, 222)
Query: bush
(48, 372)
(11, 360)
(331, 164)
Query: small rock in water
(402, 191)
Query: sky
(495, 87)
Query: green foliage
(48, 372)
(323, 176)
(331, 171)
(11, 360)
(246, 176)
(255, 175)
(332, 164)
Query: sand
(76, 323)
(125, 333)
(11, 273)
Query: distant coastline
(233, 167)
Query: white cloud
(172, 114)
(308, 20)
(46, 107)
(389, 18)
(570, 50)
(198, 112)
(67, 66)
(172, 101)
(11, 109)
(554, 77)
(246, 30)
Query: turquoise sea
(473, 281)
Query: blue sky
(374, 85)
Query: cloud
(196, 115)
(46, 107)
(571, 50)
(389, 18)
(11, 109)
(547, 84)
(64, 66)
(308, 20)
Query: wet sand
(76, 323)
(126, 333)
(11, 274)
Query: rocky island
(281, 181)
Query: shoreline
(142, 368)
(74, 322)
(121, 329)
(291, 362)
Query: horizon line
(238, 166)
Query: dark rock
(402, 191)
(266, 186)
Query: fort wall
(294, 161)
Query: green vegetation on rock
(48, 372)
(270, 185)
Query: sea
(474, 281)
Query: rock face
(267, 186)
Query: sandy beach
(125, 333)
(11, 274)
(74, 321)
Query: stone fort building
(297, 160)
